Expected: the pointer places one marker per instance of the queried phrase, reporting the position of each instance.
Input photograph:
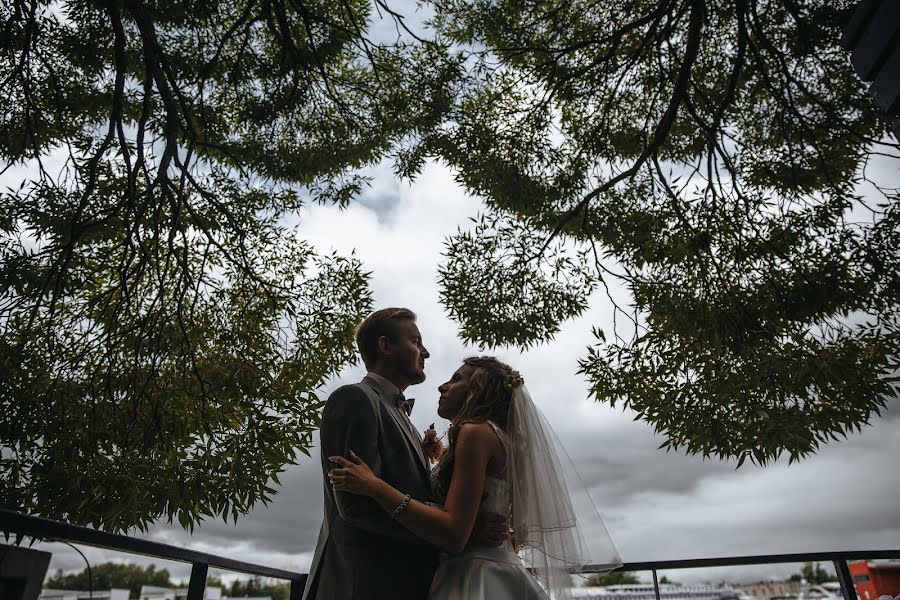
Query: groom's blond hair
(382, 322)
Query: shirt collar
(389, 389)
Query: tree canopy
(712, 157)
(163, 330)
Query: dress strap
(502, 437)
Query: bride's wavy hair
(490, 389)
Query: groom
(361, 553)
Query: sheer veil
(557, 528)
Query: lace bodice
(496, 498)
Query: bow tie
(405, 403)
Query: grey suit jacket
(361, 554)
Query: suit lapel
(414, 442)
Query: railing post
(198, 581)
(655, 584)
(843, 573)
(297, 587)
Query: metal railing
(838, 559)
(50, 530)
(56, 531)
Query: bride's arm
(450, 528)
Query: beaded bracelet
(400, 508)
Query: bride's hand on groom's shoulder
(352, 475)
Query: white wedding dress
(486, 573)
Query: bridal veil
(557, 528)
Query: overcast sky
(657, 505)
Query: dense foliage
(162, 331)
(717, 159)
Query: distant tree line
(612, 578)
(110, 575)
(257, 586)
(813, 573)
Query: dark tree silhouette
(716, 158)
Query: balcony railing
(49, 530)
(838, 559)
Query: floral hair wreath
(513, 380)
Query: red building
(876, 578)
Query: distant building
(113, 594)
(875, 578)
(667, 591)
(771, 590)
(792, 590)
(152, 592)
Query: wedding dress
(486, 573)
(551, 514)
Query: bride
(501, 458)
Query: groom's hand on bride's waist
(490, 530)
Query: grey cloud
(381, 197)
(831, 502)
(892, 410)
(289, 524)
(628, 462)
(656, 505)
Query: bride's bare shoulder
(475, 431)
(482, 434)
